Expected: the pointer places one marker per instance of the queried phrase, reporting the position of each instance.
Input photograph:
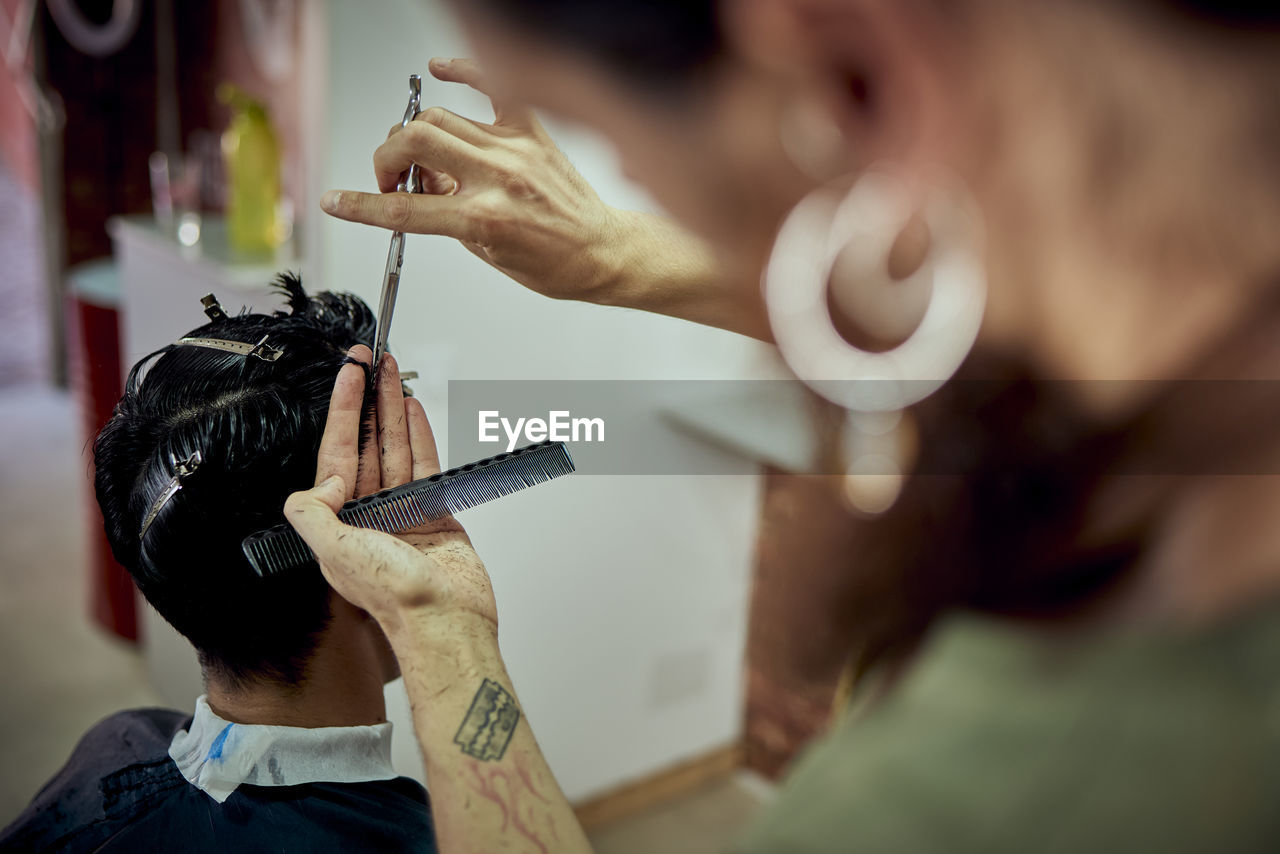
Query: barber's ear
(768, 33)
(870, 66)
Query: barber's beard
(993, 516)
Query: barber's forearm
(655, 265)
(491, 789)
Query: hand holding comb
(402, 508)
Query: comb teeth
(402, 508)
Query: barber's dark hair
(664, 44)
(656, 44)
(257, 425)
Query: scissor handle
(412, 183)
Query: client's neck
(314, 703)
(342, 685)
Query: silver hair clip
(260, 350)
(181, 470)
(212, 307)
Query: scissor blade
(387, 300)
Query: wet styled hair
(257, 425)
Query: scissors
(395, 255)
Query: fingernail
(331, 480)
(329, 201)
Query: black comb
(401, 508)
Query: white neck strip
(217, 756)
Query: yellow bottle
(251, 152)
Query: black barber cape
(120, 792)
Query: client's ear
(341, 609)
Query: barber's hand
(503, 189)
(431, 571)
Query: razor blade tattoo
(490, 722)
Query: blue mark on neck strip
(215, 750)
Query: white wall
(622, 599)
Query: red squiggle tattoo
(523, 773)
(484, 789)
(507, 789)
(524, 777)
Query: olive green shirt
(1000, 740)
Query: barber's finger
(428, 146)
(426, 462)
(433, 181)
(459, 70)
(469, 73)
(465, 129)
(369, 472)
(468, 130)
(313, 513)
(422, 441)
(340, 445)
(415, 213)
(340, 550)
(330, 493)
(393, 429)
(437, 183)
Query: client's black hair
(257, 425)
